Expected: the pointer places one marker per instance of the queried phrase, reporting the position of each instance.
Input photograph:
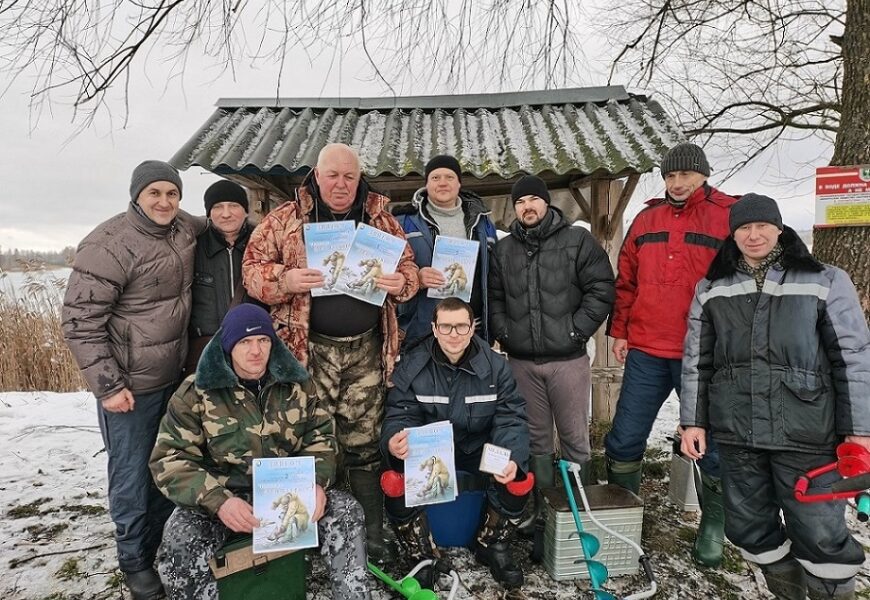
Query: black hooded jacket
(551, 287)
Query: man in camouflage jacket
(250, 398)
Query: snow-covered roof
(558, 134)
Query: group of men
(274, 371)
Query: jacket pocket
(227, 445)
(807, 411)
(729, 411)
(480, 413)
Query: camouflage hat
(243, 321)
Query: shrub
(34, 356)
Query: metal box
(614, 506)
(681, 489)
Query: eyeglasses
(447, 329)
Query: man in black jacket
(457, 377)
(217, 278)
(551, 286)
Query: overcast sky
(57, 185)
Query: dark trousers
(646, 384)
(137, 507)
(497, 494)
(758, 484)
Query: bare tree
(745, 74)
(80, 50)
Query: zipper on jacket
(232, 281)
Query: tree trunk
(849, 247)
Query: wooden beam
(581, 202)
(615, 218)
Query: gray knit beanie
(150, 171)
(685, 157)
(754, 208)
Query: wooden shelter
(590, 145)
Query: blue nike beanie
(243, 321)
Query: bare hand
(392, 283)
(694, 442)
(320, 503)
(398, 445)
(299, 281)
(431, 278)
(509, 473)
(238, 515)
(121, 402)
(620, 350)
(861, 440)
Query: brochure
(372, 254)
(457, 260)
(326, 247)
(284, 501)
(430, 471)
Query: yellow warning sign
(844, 214)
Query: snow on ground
(56, 536)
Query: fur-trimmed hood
(795, 255)
(215, 370)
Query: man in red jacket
(667, 251)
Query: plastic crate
(681, 489)
(242, 575)
(614, 506)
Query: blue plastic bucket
(455, 523)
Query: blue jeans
(646, 384)
(137, 507)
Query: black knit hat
(225, 191)
(150, 171)
(243, 321)
(444, 161)
(685, 157)
(529, 185)
(754, 208)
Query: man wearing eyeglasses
(456, 376)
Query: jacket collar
(423, 354)
(139, 220)
(374, 203)
(552, 222)
(705, 193)
(214, 241)
(795, 255)
(215, 370)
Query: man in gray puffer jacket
(125, 317)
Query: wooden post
(606, 372)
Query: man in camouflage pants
(249, 399)
(349, 346)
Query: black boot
(144, 585)
(786, 579)
(542, 465)
(416, 541)
(366, 488)
(830, 589)
(492, 548)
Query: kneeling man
(456, 376)
(249, 399)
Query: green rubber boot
(625, 474)
(786, 579)
(710, 542)
(542, 465)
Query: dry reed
(33, 354)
